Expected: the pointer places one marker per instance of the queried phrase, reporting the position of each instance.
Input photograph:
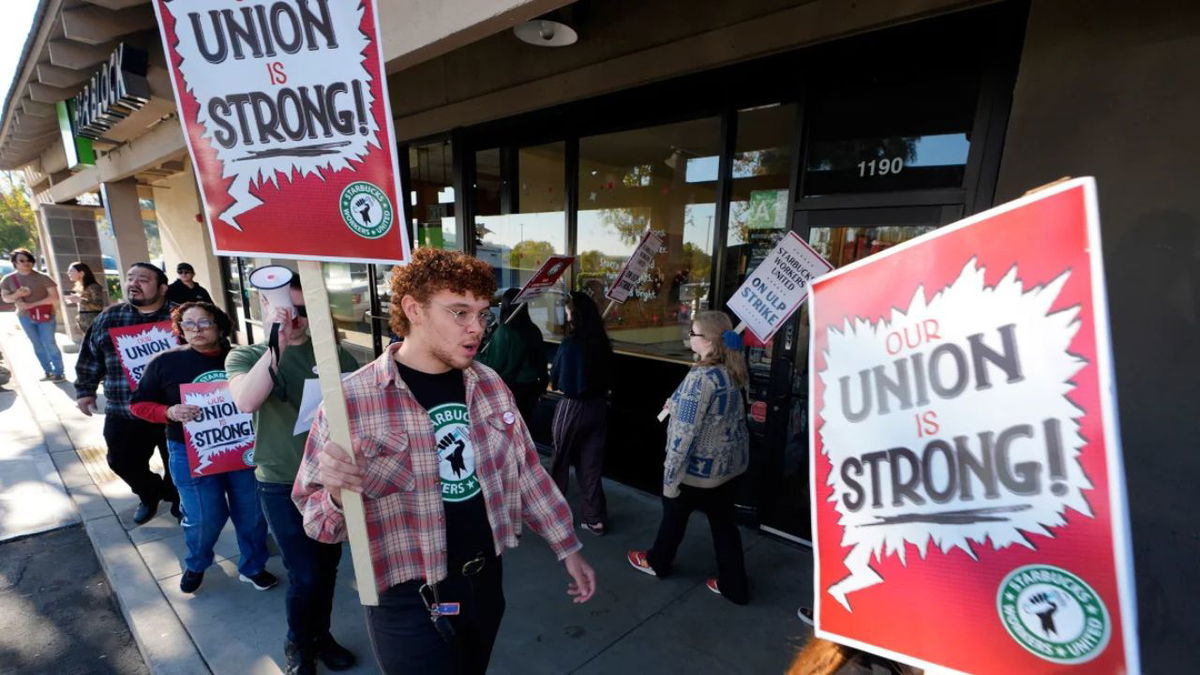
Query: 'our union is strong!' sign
(139, 343)
(968, 497)
(286, 114)
(221, 437)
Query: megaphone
(273, 283)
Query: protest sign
(221, 437)
(286, 115)
(545, 278)
(778, 286)
(288, 123)
(968, 495)
(139, 343)
(635, 267)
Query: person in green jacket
(517, 353)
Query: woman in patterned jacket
(707, 448)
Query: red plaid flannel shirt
(402, 491)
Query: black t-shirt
(444, 397)
(165, 372)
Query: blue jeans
(41, 334)
(209, 501)
(311, 566)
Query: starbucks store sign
(119, 90)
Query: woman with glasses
(581, 372)
(518, 354)
(87, 293)
(35, 296)
(207, 501)
(707, 448)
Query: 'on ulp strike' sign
(288, 123)
(968, 496)
(778, 286)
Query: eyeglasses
(693, 333)
(464, 317)
(202, 324)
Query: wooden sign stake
(324, 339)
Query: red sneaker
(639, 562)
(712, 586)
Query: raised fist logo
(1044, 605)
(457, 465)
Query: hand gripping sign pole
(324, 339)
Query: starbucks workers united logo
(456, 453)
(1053, 614)
(366, 209)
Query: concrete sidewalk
(634, 624)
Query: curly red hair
(432, 270)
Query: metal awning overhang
(67, 42)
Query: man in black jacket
(185, 289)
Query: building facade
(857, 125)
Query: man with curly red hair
(447, 471)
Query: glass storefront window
(349, 302)
(431, 196)
(892, 137)
(844, 245)
(350, 305)
(758, 208)
(521, 220)
(663, 178)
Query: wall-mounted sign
(78, 149)
(117, 91)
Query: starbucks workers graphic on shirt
(456, 453)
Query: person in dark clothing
(211, 500)
(185, 289)
(131, 441)
(581, 372)
(518, 354)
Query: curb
(163, 642)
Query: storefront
(855, 145)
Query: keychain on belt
(439, 611)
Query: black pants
(405, 641)
(580, 432)
(717, 504)
(131, 444)
(311, 566)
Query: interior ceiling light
(546, 33)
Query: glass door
(841, 236)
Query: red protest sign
(546, 276)
(139, 343)
(221, 437)
(968, 504)
(285, 110)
